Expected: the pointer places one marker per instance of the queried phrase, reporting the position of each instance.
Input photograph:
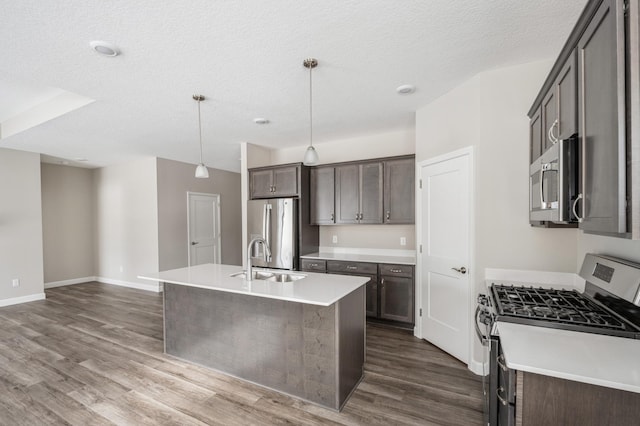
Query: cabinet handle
(313, 264)
(352, 268)
(382, 283)
(501, 363)
(388, 215)
(573, 208)
(396, 271)
(500, 398)
(552, 138)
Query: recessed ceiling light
(80, 159)
(261, 120)
(406, 89)
(104, 48)
(64, 162)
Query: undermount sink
(280, 277)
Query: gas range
(610, 303)
(561, 309)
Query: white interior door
(204, 228)
(445, 203)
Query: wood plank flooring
(92, 354)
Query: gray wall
(20, 224)
(126, 240)
(175, 179)
(68, 222)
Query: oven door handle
(483, 339)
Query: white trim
(155, 287)
(367, 251)
(216, 225)
(54, 284)
(22, 299)
(418, 332)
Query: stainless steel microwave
(553, 183)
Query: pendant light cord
(200, 130)
(311, 106)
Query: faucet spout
(267, 254)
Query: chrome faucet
(267, 255)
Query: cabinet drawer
(396, 270)
(355, 268)
(313, 265)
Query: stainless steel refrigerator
(275, 220)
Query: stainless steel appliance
(608, 305)
(553, 183)
(275, 220)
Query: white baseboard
(22, 299)
(155, 287)
(53, 284)
(476, 367)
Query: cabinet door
(549, 119)
(535, 136)
(396, 299)
(399, 191)
(567, 92)
(602, 120)
(261, 184)
(285, 181)
(372, 296)
(322, 196)
(347, 194)
(371, 193)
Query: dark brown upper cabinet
(323, 195)
(399, 191)
(358, 193)
(601, 52)
(274, 182)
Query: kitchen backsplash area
(369, 236)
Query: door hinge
(420, 248)
(420, 183)
(420, 311)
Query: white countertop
(600, 360)
(372, 258)
(315, 289)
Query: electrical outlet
(403, 241)
(15, 282)
(334, 239)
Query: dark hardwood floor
(92, 354)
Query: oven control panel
(605, 273)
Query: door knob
(462, 270)
(193, 243)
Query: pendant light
(201, 170)
(310, 156)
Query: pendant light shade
(201, 171)
(310, 156)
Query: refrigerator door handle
(266, 229)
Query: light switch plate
(334, 239)
(403, 241)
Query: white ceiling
(246, 57)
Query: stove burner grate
(555, 306)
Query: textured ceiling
(246, 57)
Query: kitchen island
(305, 338)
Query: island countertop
(314, 289)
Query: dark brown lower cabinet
(543, 400)
(390, 291)
(396, 293)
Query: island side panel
(351, 342)
(287, 346)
